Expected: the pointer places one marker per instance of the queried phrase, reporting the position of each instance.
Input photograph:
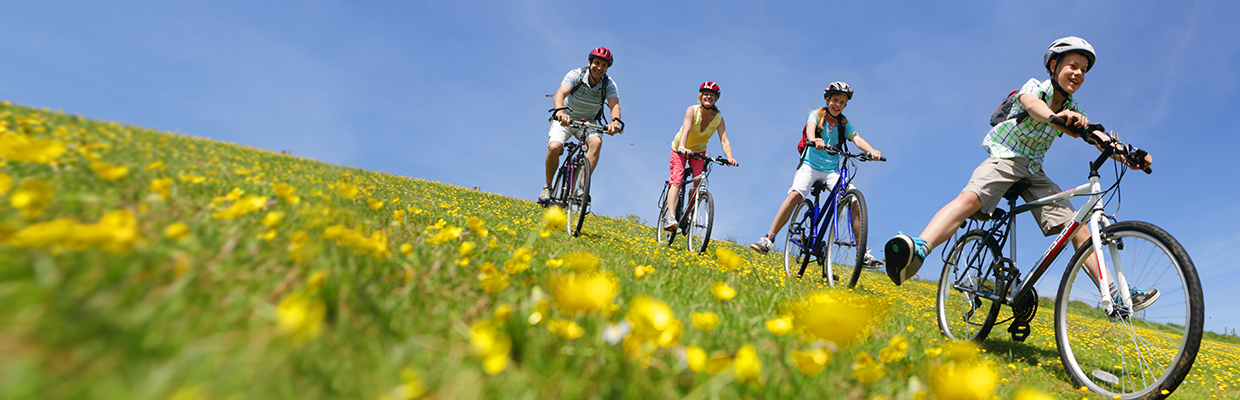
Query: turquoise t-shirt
(819, 160)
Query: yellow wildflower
(780, 326)
(108, 171)
(962, 380)
(406, 248)
(695, 358)
(582, 293)
(375, 204)
(554, 218)
(475, 225)
(162, 187)
(31, 197)
(841, 328)
(467, 249)
(491, 279)
(272, 219)
(722, 291)
(176, 231)
(641, 271)
(705, 320)
(6, 182)
(155, 166)
(728, 259)
(301, 317)
(653, 320)
(895, 350)
(811, 362)
(747, 366)
(565, 328)
(491, 345)
(23, 148)
(582, 262)
(519, 262)
(867, 370)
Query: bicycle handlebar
(858, 156)
(1111, 146)
(706, 157)
(583, 123)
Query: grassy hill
(139, 264)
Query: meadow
(137, 264)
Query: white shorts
(560, 134)
(804, 180)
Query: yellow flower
(542, 310)
(747, 366)
(23, 148)
(695, 358)
(108, 171)
(31, 197)
(475, 224)
(582, 293)
(162, 187)
(467, 249)
(895, 350)
(841, 328)
(44, 234)
(554, 218)
(718, 362)
(315, 282)
(242, 206)
(155, 166)
(722, 291)
(811, 362)
(491, 345)
(866, 369)
(641, 271)
(491, 279)
(565, 328)
(705, 320)
(176, 231)
(272, 219)
(6, 183)
(962, 380)
(653, 320)
(1028, 393)
(301, 317)
(501, 315)
(555, 263)
(780, 326)
(582, 262)
(519, 262)
(447, 233)
(728, 259)
(376, 204)
(406, 248)
(286, 192)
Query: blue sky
(454, 92)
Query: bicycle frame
(1089, 216)
(818, 216)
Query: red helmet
(603, 53)
(838, 87)
(709, 86)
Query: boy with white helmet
(1017, 148)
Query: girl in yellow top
(701, 121)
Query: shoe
(545, 195)
(1142, 299)
(763, 245)
(905, 255)
(869, 258)
(669, 224)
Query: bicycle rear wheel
(701, 222)
(1140, 354)
(795, 246)
(968, 273)
(847, 250)
(578, 199)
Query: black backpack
(603, 84)
(1001, 113)
(803, 146)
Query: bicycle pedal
(1019, 331)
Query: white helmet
(1064, 45)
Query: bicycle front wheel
(1131, 355)
(701, 221)
(659, 232)
(968, 275)
(578, 199)
(848, 236)
(796, 247)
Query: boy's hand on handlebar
(820, 144)
(876, 155)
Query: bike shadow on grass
(1028, 354)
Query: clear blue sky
(453, 91)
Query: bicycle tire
(558, 192)
(701, 222)
(794, 242)
(848, 244)
(970, 264)
(659, 232)
(1136, 362)
(578, 205)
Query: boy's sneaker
(763, 245)
(545, 195)
(1142, 299)
(904, 257)
(870, 260)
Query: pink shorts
(677, 165)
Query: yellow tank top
(696, 142)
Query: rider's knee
(555, 148)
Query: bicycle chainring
(1023, 311)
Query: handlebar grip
(553, 111)
(880, 159)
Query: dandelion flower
(962, 380)
(108, 171)
(780, 326)
(705, 320)
(554, 218)
(895, 350)
(176, 231)
(301, 317)
(31, 197)
(728, 259)
(582, 262)
(867, 370)
(722, 291)
(747, 366)
(811, 362)
(582, 293)
(566, 329)
(695, 358)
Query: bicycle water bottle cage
(1023, 310)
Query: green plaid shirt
(1030, 138)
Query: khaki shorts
(991, 179)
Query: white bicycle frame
(1092, 212)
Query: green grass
(199, 316)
